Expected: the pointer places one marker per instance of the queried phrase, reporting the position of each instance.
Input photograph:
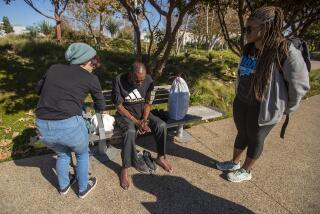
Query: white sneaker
(239, 175)
(228, 166)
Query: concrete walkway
(315, 64)
(285, 180)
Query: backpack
(301, 45)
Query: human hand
(143, 127)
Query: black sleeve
(116, 93)
(151, 86)
(96, 94)
(40, 85)
(41, 82)
(150, 92)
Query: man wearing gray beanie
(62, 92)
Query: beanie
(79, 53)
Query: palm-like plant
(112, 26)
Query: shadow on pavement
(173, 149)
(46, 164)
(179, 150)
(177, 195)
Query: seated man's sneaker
(228, 166)
(149, 160)
(66, 190)
(239, 175)
(140, 164)
(91, 185)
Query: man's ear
(86, 63)
(130, 77)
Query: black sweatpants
(159, 131)
(250, 134)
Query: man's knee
(162, 125)
(130, 132)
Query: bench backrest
(162, 94)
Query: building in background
(2, 32)
(19, 30)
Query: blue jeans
(63, 137)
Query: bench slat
(160, 96)
(160, 101)
(162, 92)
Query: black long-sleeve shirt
(62, 92)
(132, 97)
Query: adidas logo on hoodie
(134, 97)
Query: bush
(121, 45)
(70, 36)
(210, 57)
(211, 92)
(187, 55)
(315, 55)
(314, 83)
(125, 33)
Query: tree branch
(136, 27)
(64, 7)
(232, 45)
(30, 3)
(158, 8)
(241, 11)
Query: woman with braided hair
(272, 79)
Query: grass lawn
(314, 83)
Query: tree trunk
(241, 22)
(138, 44)
(92, 34)
(57, 18)
(183, 34)
(101, 20)
(177, 46)
(207, 27)
(58, 28)
(169, 44)
(214, 41)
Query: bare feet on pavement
(161, 161)
(124, 179)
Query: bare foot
(161, 161)
(124, 179)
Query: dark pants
(159, 131)
(250, 134)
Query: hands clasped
(143, 126)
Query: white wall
(18, 30)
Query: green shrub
(314, 83)
(210, 57)
(186, 55)
(211, 92)
(121, 45)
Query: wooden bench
(105, 139)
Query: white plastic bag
(178, 102)
(107, 120)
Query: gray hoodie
(285, 90)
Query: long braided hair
(274, 46)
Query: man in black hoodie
(133, 94)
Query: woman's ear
(262, 32)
